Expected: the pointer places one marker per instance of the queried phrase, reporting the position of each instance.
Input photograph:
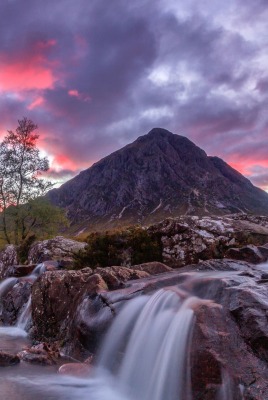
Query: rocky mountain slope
(158, 175)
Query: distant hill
(158, 175)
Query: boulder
(152, 268)
(55, 298)
(8, 258)
(221, 361)
(249, 253)
(14, 300)
(189, 239)
(7, 359)
(59, 248)
(115, 277)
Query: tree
(20, 181)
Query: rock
(51, 265)
(79, 370)
(7, 359)
(248, 253)
(14, 300)
(42, 353)
(230, 336)
(221, 359)
(152, 268)
(189, 239)
(55, 298)
(89, 360)
(57, 295)
(264, 251)
(58, 249)
(115, 277)
(8, 258)
(22, 270)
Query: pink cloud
(32, 71)
(37, 102)
(80, 96)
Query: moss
(131, 246)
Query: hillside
(158, 175)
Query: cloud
(96, 75)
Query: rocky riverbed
(225, 350)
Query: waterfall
(24, 319)
(6, 285)
(38, 270)
(25, 316)
(146, 351)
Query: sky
(96, 74)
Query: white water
(19, 330)
(145, 355)
(154, 335)
(25, 317)
(39, 269)
(6, 285)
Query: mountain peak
(159, 175)
(159, 132)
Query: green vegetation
(127, 247)
(24, 214)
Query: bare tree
(20, 170)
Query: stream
(145, 355)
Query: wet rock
(152, 268)
(14, 300)
(59, 248)
(51, 265)
(221, 360)
(264, 251)
(7, 359)
(248, 253)
(115, 277)
(8, 258)
(55, 298)
(43, 353)
(79, 370)
(22, 270)
(248, 305)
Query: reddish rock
(22, 270)
(14, 300)
(55, 298)
(79, 370)
(152, 268)
(43, 353)
(248, 253)
(219, 356)
(115, 277)
(7, 359)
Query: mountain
(158, 175)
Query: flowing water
(145, 355)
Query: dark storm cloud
(95, 75)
